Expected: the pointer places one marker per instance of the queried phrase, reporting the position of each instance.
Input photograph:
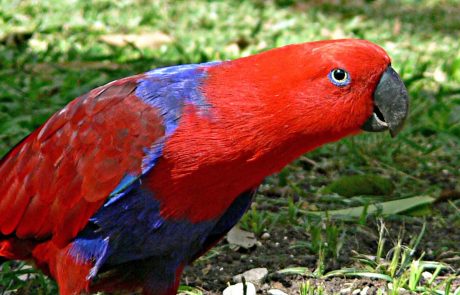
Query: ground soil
(441, 242)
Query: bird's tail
(12, 248)
(3, 251)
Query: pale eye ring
(339, 77)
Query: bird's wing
(228, 220)
(61, 174)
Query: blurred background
(53, 51)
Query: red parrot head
(351, 85)
(323, 90)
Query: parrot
(134, 180)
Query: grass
(307, 289)
(52, 51)
(399, 268)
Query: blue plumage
(125, 182)
(129, 229)
(169, 90)
(90, 248)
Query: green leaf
(351, 272)
(189, 290)
(355, 185)
(385, 208)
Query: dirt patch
(281, 250)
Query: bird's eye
(339, 77)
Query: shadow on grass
(422, 18)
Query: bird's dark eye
(339, 77)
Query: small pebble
(238, 289)
(25, 277)
(364, 291)
(255, 275)
(357, 291)
(277, 285)
(345, 291)
(276, 292)
(265, 236)
(427, 275)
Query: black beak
(391, 104)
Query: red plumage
(58, 177)
(260, 113)
(268, 109)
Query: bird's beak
(391, 104)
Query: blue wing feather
(129, 226)
(131, 229)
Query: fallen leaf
(142, 40)
(241, 238)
